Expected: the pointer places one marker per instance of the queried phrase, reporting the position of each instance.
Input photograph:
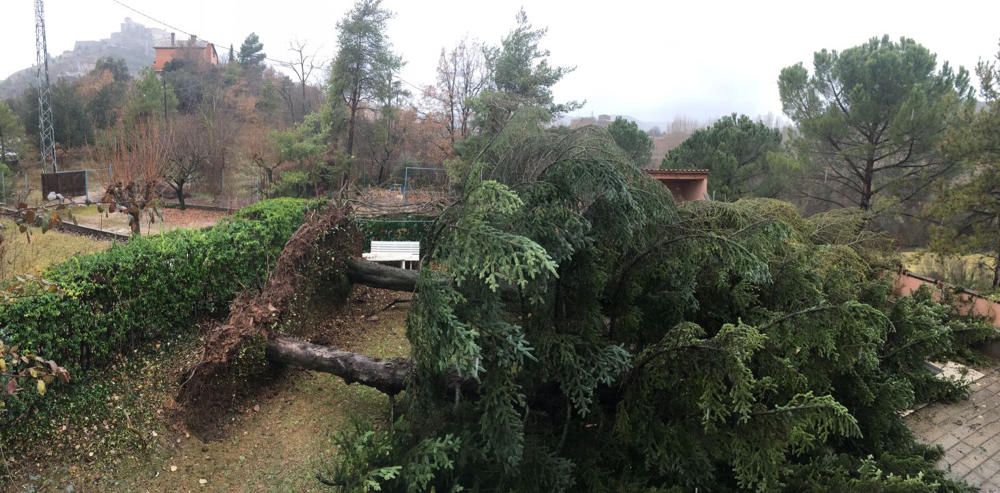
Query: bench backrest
(405, 247)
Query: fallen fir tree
(573, 329)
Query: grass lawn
(122, 433)
(973, 271)
(19, 255)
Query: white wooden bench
(404, 252)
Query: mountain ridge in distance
(133, 43)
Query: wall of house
(966, 301)
(685, 190)
(165, 54)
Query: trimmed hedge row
(148, 288)
(402, 228)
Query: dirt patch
(172, 219)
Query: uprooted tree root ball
(316, 253)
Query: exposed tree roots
(319, 249)
(323, 250)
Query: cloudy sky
(652, 60)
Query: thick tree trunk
(374, 275)
(869, 178)
(385, 375)
(179, 191)
(135, 222)
(996, 271)
(350, 126)
(388, 376)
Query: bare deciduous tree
(303, 65)
(462, 74)
(263, 153)
(138, 157)
(188, 155)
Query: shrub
(109, 302)
(402, 228)
(293, 184)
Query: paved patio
(969, 431)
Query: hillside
(133, 43)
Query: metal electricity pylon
(46, 133)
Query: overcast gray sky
(652, 60)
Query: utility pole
(46, 132)
(163, 81)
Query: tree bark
(996, 271)
(380, 276)
(385, 375)
(388, 376)
(135, 222)
(355, 96)
(374, 275)
(179, 191)
(869, 178)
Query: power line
(274, 60)
(175, 28)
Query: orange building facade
(192, 49)
(684, 184)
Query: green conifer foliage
(607, 339)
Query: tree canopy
(871, 118)
(744, 157)
(251, 52)
(604, 339)
(967, 211)
(636, 143)
(364, 61)
(149, 98)
(116, 66)
(12, 136)
(521, 77)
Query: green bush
(402, 228)
(293, 184)
(149, 288)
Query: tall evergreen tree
(581, 333)
(521, 77)
(364, 61)
(872, 117)
(117, 67)
(636, 143)
(150, 99)
(251, 51)
(743, 157)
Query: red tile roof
(687, 173)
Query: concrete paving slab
(968, 430)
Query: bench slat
(394, 251)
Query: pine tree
(251, 51)
(608, 340)
(364, 61)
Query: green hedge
(148, 288)
(402, 228)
